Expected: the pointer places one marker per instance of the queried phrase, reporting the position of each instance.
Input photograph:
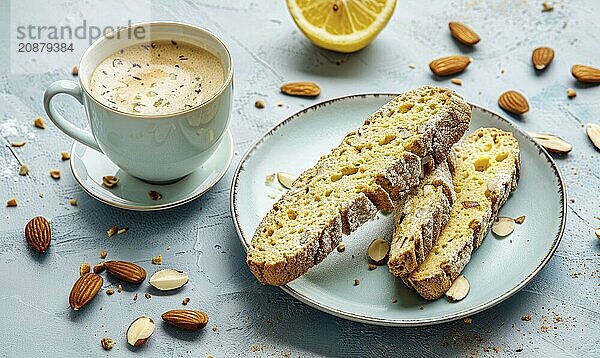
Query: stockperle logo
(47, 36)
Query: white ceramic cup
(155, 148)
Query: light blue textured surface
(246, 318)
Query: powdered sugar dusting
(13, 129)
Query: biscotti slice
(485, 167)
(419, 220)
(371, 168)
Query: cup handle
(73, 89)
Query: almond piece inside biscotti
(485, 170)
(371, 168)
(419, 220)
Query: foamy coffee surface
(158, 77)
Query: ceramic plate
(497, 270)
(89, 166)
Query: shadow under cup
(166, 147)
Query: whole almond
(586, 74)
(449, 65)
(593, 131)
(302, 89)
(542, 57)
(84, 290)
(126, 271)
(552, 143)
(190, 320)
(463, 33)
(38, 234)
(514, 102)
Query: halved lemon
(341, 25)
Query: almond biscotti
(419, 220)
(371, 169)
(485, 167)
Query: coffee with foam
(157, 78)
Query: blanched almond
(285, 179)
(459, 289)
(379, 250)
(169, 279)
(552, 143)
(593, 132)
(503, 226)
(140, 330)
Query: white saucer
(89, 166)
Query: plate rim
(229, 138)
(403, 322)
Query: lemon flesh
(341, 25)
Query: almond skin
(514, 102)
(190, 320)
(542, 57)
(587, 74)
(38, 234)
(126, 271)
(302, 89)
(84, 290)
(463, 33)
(449, 65)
